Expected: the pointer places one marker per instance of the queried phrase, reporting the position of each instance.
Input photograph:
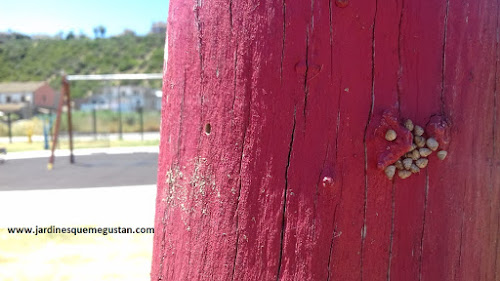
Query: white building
(27, 97)
(128, 98)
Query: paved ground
(105, 187)
(94, 170)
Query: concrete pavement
(105, 187)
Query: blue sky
(52, 16)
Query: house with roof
(122, 98)
(27, 98)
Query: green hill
(26, 59)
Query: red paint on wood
(390, 152)
(288, 183)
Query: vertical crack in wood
(163, 239)
(238, 203)
(310, 29)
(334, 234)
(372, 103)
(461, 232)
(391, 237)
(242, 152)
(331, 36)
(337, 129)
(400, 70)
(200, 54)
(237, 231)
(497, 248)
(341, 185)
(493, 164)
(283, 41)
(306, 90)
(283, 219)
(422, 234)
(331, 243)
(443, 66)
(231, 14)
(200, 34)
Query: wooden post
(272, 151)
(65, 96)
(67, 93)
(55, 137)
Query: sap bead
(407, 163)
(432, 144)
(442, 154)
(424, 152)
(422, 162)
(390, 135)
(414, 169)
(418, 131)
(409, 125)
(419, 141)
(399, 165)
(404, 174)
(390, 171)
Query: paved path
(103, 187)
(91, 169)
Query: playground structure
(65, 99)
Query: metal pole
(94, 121)
(45, 133)
(141, 113)
(120, 126)
(9, 122)
(70, 125)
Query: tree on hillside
(70, 35)
(102, 31)
(282, 126)
(99, 31)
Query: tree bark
(271, 157)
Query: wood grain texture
(272, 112)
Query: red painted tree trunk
(272, 150)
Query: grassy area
(74, 258)
(25, 146)
(107, 122)
(37, 60)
